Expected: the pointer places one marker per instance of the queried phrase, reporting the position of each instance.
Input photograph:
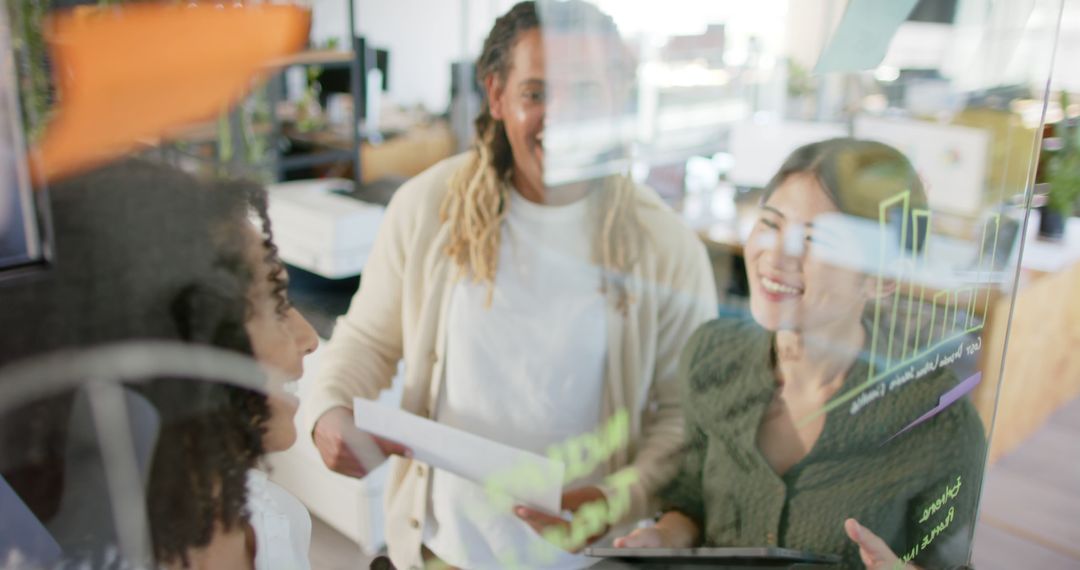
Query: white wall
(423, 36)
(1066, 71)
(808, 25)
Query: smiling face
(518, 101)
(532, 94)
(791, 286)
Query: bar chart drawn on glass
(945, 324)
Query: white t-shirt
(281, 523)
(526, 371)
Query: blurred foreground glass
(713, 97)
(100, 452)
(22, 235)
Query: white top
(400, 313)
(527, 372)
(281, 523)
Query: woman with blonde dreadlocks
(545, 318)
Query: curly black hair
(224, 428)
(145, 251)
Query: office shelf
(314, 159)
(346, 143)
(327, 57)
(356, 62)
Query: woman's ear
(875, 288)
(494, 87)
(212, 313)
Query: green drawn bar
(981, 271)
(993, 260)
(933, 316)
(899, 278)
(902, 199)
(972, 293)
(907, 325)
(919, 262)
(945, 314)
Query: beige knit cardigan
(399, 313)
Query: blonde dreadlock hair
(477, 201)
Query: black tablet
(742, 556)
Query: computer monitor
(338, 79)
(934, 11)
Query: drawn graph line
(956, 307)
(972, 292)
(947, 399)
(883, 229)
(996, 220)
(916, 215)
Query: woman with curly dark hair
(144, 251)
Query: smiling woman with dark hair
(770, 460)
(146, 252)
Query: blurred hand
(875, 554)
(340, 444)
(650, 537)
(572, 501)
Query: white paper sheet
(531, 479)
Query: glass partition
(112, 466)
(864, 194)
(713, 274)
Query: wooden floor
(1030, 516)
(1031, 502)
(331, 550)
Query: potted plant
(31, 63)
(1063, 177)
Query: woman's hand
(343, 447)
(650, 537)
(673, 530)
(875, 554)
(588, 529)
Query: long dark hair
(145, 251)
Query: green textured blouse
(917, 490)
